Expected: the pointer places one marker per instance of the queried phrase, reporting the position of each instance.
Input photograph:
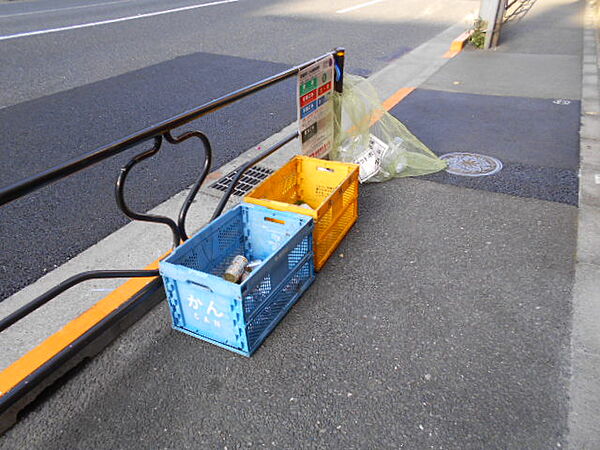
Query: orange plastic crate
(329, 187)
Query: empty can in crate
(239, 316)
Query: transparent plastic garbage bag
(376, 140)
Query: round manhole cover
(468, 164)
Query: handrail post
(338, 86)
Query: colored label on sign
(306, 99)
(308, 86)
(322, 100)
(309, 132)
(324, 88)
(311, 107)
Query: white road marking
(121, 19)
(43, 11)
(362, 5)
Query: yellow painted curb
(458, 44)
(48, 349)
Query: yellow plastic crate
(329, 187)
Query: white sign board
(315, 108)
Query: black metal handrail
(157, 133)
(36, 182)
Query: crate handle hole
(325, 169)
(272, 219)
(203, 286)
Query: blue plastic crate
(239, 316)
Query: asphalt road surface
(444, 318)
(76, 75)
(445, 325)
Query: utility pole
(492, 12)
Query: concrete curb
(459, 43)
(584, 408)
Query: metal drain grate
(250, 179)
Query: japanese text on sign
(315, 110)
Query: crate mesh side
(296, 255)
(291, 290)
(289, 188)
(261, 292)
(229, 243)
(323, 191)
(257, 295)
(281, 186)
(329, 239)
(326, 239)
(351, 194)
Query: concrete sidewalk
(446, 319)
(533, 103)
